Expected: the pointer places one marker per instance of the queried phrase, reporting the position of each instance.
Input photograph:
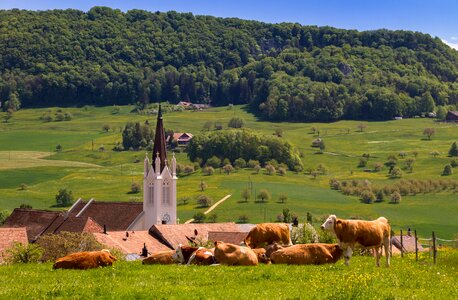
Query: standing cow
(368, 234)
(265, 234)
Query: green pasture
(107, 175)
(405, 279)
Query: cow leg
(386, 244)
(378, 253)
(347, 255)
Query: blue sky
(436, 17)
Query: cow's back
(160, 257)
(84, 260)
(305, 254)
(234, 255)
(267, 233)
(365, 233)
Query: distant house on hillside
(196, 106)
(452, 116)
(182, 138)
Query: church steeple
(159, 143)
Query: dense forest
(283, 71)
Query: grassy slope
(25, 132)
(405, 279)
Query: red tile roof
(115, 215)
(227, 236)
(9, 235)
(173, 235)
(36, 221)
(133, 243)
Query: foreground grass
(405, 279)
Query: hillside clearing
(31, 159)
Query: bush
(242, 219)
(212, 218)
(236, 122)
(64, 197)
(453, 150)
(395, 197)
(304, 234)
(228, 169)
(3, 215)
(23, 187)
(239, 163)
(204, 201)
(281, 171)
(252, 163)
(270, 169)
(118, 147)
(214, 162)
(65, 243)
(135, 188)
(448, 170)
(367, 197)
(264, 195)
(58, 148)
(199, 217)
(19, 253)
(208, 170)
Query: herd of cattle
(265, 243)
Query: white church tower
(159, 185)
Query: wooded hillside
(284, 71)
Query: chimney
(105, 229)
(144, 250)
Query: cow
(266, 233)
(368, 234)
(261, 255)
(274, 247)
(307, 254)
(234, 255)
(194, 255)
(160, 258)
(85, 260)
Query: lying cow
(194, 255)
(85, 260)
(160, 258)
(266, 233)
(234, 255)
(307, 254)
(368, 234)
(261, 255)
(274, 247)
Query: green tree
(429, 132)
(204, 201)
(214, 162)
(448, 170)
(246, 194)
(12, 104)
(264, 195)
(199, 217)
(236, 122)
(282, 198)
(202, 185)
(453, 150)
(3, 215)
(64, 197)
(441, 113)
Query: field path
(211, 208)
(30, 159)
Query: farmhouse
(452, 116)
(182, 138)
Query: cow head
(178, 255)
(329, 223)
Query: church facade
(159, 185)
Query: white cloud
(453, 45)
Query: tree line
(283, 71)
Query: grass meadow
(405, 279)
(27, 156)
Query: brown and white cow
(368, 234)
(307, 254)
(160, 258)
(194, 255)
(85, 260)
(261, 255)
(267, 233)
(234, 255)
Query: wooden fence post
(402, 246)
(434, 248)
(416, 245)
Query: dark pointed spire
(159, 141)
